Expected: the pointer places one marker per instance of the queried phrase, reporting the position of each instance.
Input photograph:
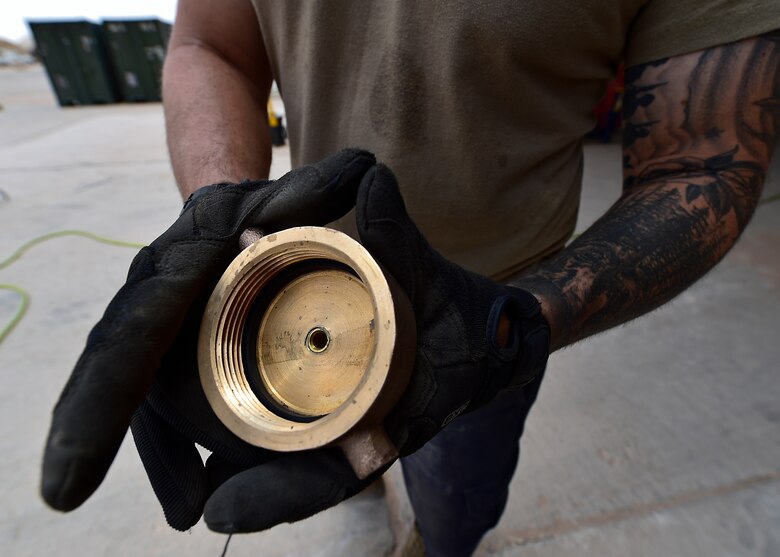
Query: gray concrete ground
(660, 438)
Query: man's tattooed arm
(699, 133)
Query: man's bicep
(703, 109)
(228, 29)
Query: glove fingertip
(314, 194)
(347, 156)
(219, 517)
(347, 166)
(379, 200)
(64, 483)
(229, 511)
(73, 468)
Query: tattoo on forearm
(636, 96)
(699, 132)
(726, 185)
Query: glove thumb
(288, 489)
(386, 229)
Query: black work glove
(140, 361)
(459, 363)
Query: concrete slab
(741, 522)
(659, 438)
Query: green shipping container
(76, 61)
(137, 49)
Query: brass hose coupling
(307, 343)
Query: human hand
(140, 362)
(460, 361)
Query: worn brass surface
(316, 341)
(329, 355)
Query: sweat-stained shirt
(479, 107)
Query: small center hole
(318, 340)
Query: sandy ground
(661, 437)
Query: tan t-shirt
(478, 107)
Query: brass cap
(300, 338)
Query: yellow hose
(24, 248)
(20, 311)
